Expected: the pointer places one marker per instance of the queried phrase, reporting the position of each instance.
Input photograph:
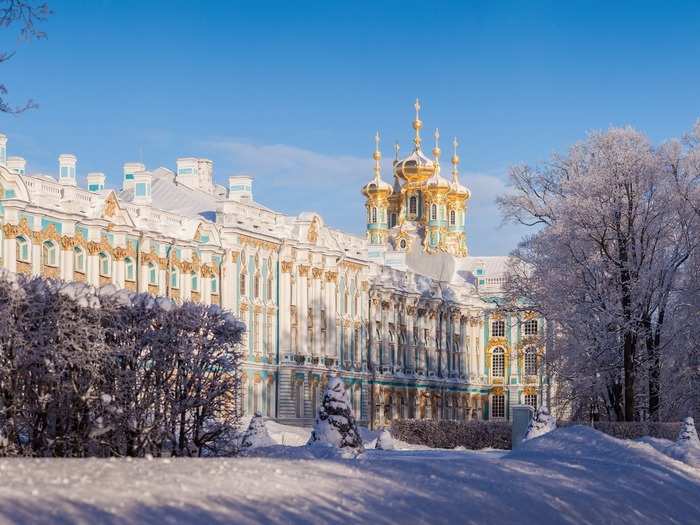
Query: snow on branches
(109, 372)
(256, 436)
(541, 424)
(335, 424)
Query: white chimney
(66, 167)
(205, 168)
(3, 148)
(188, 172)
(240, 188)
(129, 169)
(17, 165)
(96, 181)
(142, 187)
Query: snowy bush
(687, 445)
(256, 436)
(541, 424)
(632, 429)
(384, 440)
(106, 372)
(335, 424)
(473, 435)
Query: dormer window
(374, 215)
(413, 205)
(433, 212)
(453, 218)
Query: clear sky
(293, 92)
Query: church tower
(377, 193)
(423, 213)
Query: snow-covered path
(574, 475)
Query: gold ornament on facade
(303, 270)
(111, 206)
(317, 272)
(331, 277)
(497, 391)
(498, 342)
(287, 266)
(312, 234)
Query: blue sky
(293, 92)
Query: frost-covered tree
(384, 440)
(106, 372)
(541, 424)
(256, 435)
(335, 424)
(615, 229)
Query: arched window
(79, 259)
(174, 278)
(498, 408)
(392, 221)
(152, 274)
(413, 205)
(530, 361)
(374, 215)
(241, 284)
(105, 265)
(129, 270)
(498, 363)
(433, 212)
(256, 286)
(49, 254)
(214, 284)
(453, 218)
(22, 249)
(195, 282)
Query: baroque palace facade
(405, 316)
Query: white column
(284, 308)
(316, 304)
(36, 257)
(332, 309)
(10, 254)
(302, 312)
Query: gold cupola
(377, 193)
(416, 168)
(437, 183)
(377, 188)
(458, 192)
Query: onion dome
(416, 167)
(457, 190)
(437, 181)
(377, 187)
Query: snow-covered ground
(572, 475)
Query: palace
(405, 316)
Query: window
(49, 254)
(530, 362)
(129, 270)
(152, 274)
(241, 283)
(531, 399)
(402, 244)
(79, 259)
(374, 215)
(214, 284)
(195, 282)
(433, 212)
(531, 327)
(413, 205)
(392, 220)
(22, 249)
(498, 363)
(105, 265)
(498, 328)
(498, 408)
(453, 218)
(174, 278)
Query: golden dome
(414, 168)
(377, 188)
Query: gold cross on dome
(417, 106)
